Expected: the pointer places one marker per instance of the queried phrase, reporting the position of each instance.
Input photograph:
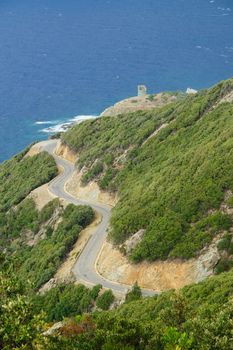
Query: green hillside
(198, 317)
(177, 183)
(20, 175)
(39, 262)
(171, 184)
(57, 228)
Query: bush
(107, 179)
(151, 98)
(134, 294)
(200, 234)
(105, 300)
(48, 210)
(230, 202)
(225, 242)
(109, 159)
(230, 249)
(64, 301)
(23, 217)
(49, 231)
(95, 170)
(223, 266)
(95, 291)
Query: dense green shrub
(170, 183)
(65, 300)
(94, 171)
(108, 159)
(225, 242)
(230, 202)
(198, 317)
(200, 234)
(225, 245)
(48, 210)
(105, 300)
(95, 291)
(105, 181)
(40, 262)
(155, 246)
(26, 217)
(20, 326)
(185, 180)
(19, 176)
(80, 215)
(133, 294)
(22, 217)
(223, 265)
(230, 249)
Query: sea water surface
(60, 59)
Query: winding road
(85, 268)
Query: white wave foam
(62, 127)
(57, 128)
(80, 118)
(49, 122)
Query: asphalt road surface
(85, 269)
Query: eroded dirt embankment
(159, 275)
(91, 192)
(65, 152)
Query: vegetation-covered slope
(19, 176)
(40, 262)
(198, 317)
(173, 184)
(38, 242)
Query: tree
(105, 300)
(134, 294)
(20, 327)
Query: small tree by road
(105, 300)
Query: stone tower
(142, 90)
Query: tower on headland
(142, 90)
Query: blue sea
(60, 59)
